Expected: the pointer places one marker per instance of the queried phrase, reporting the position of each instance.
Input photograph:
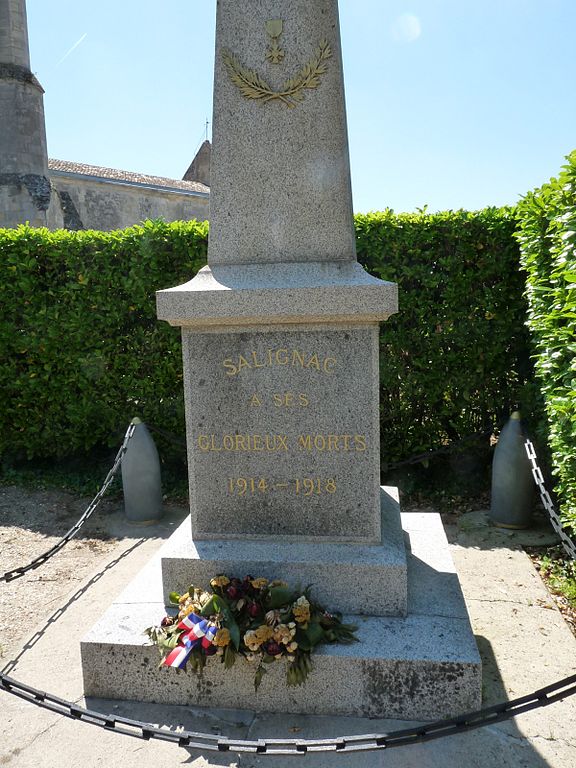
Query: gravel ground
(30, 523)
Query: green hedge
(547, 237)
(83, 351)
(455, 358)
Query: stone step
(358, 578)
(423, 666)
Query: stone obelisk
(280, 331)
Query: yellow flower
(283, 634)
(301, 610)
(264, 633)
(251, 640)
(259, 583)
(222, 638)
(186, 609)
(220, 581)
(278, 583)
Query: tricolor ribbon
(200, 632)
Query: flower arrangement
(260, 620)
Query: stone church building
(62, 194)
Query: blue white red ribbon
(200, 632)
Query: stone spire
(14, 33)
(24, 185)
(199, 169)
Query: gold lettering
(303, 399)
(255, 401)
(231, 368)
(329, 363)
(332, 442)
(243, 363)
(360, 442)
(305, 442)
(255, 361)
(297, 358)
(240, 443)
(346, 442)
(319, 442)
(313, 362)
(277, 401)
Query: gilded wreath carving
(253, 86)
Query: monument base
(355, 578)
(422, 666)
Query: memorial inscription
(281, 424)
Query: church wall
(89, 203)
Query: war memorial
(281, 384)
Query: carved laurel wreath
(253, 86)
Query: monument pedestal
(421, 666)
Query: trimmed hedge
(83, 351)
(547, 237)
(455, 358)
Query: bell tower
(25, 192)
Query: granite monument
(280, 337)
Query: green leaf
(233, 628)
(174, 598)
(314, 633)
(229, 657)
(211, 607)
(278, 597)
(260, 672)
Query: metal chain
(16, 573)
(567, 543)
(344, 744)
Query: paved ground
(523, 639)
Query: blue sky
(451, 103)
